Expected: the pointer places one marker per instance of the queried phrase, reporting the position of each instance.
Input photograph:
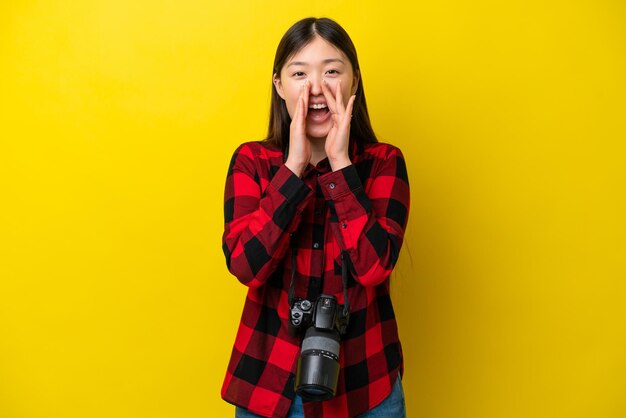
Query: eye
(298, 74)
(332, 72)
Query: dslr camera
(318, 366)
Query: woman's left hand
(338, 139)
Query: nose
(316, 86)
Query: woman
(317, 211)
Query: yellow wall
(117, 123)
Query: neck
(318, 152)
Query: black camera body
(324, 314)
(318, 366)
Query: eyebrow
(326, 61)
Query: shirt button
(316, 245)
(331, 186)
(344, 225)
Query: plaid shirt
(361, 209)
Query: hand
(338, 139)
(299, 146)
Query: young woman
(316, 212)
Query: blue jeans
(391, 407)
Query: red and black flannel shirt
(361, 209)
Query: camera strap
(344, 282)
(344, 276)
(293, 269)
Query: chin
(318, 132)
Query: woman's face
(319, 60)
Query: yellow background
(117, 123)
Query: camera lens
(318, 365)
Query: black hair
(297, 37)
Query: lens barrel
(318, 365)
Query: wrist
(339, 163)
(296, 167)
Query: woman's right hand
(299, 146)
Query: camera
(318, 366)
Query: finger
(330, 100)
(348, 115)
(305, 95)
(303, 111)
(297, 112)
(339, 98)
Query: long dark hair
(296, 38)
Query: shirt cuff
(289, 185)
(340, 182)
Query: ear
(278, 86)
(355, 82)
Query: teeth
(318, 106)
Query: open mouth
(318, 112)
